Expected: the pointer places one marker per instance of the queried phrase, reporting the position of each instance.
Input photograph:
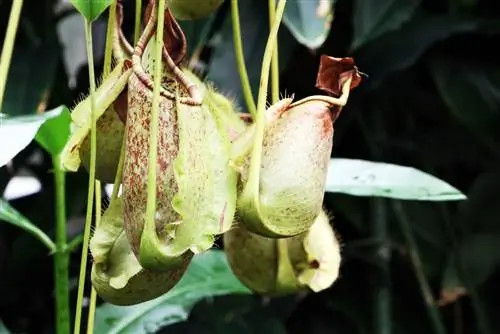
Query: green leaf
(54, 132)
(3, 328)
(11, 215)
(28, 81)
(17, 132)
(367, 178)
(91, 9)
(466, 86)
(401, 48)
(197, 32)
(373, 18)
(223, 71)
(474, 260)
(309, 21)
(208, 275)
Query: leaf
(19, 131)
(197, 32)
(471, 90)
(54, 132)
(28, 83)
(11, 215)
(473, 262)
(4, 329)
(373, 18)
(401, 48)
(223, 71)
(91, 9)
(367, 178)
(309, 21)
(208, 275)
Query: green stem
(8, 45)
(108, 52)
(137, 26)
(90, 197)
(240, 60)
(275, 76)
(254, 171)
(119, 172)
(61, 257)
(383, 294)
(93, 294)
(153, 131)
(432, 310)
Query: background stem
(90, 197)
(153, 130)
(432, 310)
(8, 45)
(275, 75)
(240, 60)
(61, 256)
(93, 294)
(137, 26)
(382, 310)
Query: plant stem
(93, 294)
(153, 130)
(275, 74)
(90, 197)
(432, 310)
(119, 172)
(240, 60)
(137, 26)
(108, 52)
(255, 162)
(383, 294)
(61, 256)
(8, 45)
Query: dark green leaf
(476, 258)
(54, 133)
(481, 212)
(208, 275)
(11, 215)
(401, 48)
(91, 9)
(367, 178)
(309, 21)
(197, 32)
(229, 314)
(373, 18)
(471, 91)
(223, 71)
(31, 75)
(18, 132)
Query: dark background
(431, 102)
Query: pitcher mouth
(194, 97)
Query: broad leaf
(17, 132)
(366, 178)
(471, 91)
(474, 260)
(11, 215)
(373, 18)
(208, 275)
(309, 21)
(4, 329)
(54, 132)
(91, 9)
(31, 76)
(401, 48)
(197, 32)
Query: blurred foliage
(432, 101)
